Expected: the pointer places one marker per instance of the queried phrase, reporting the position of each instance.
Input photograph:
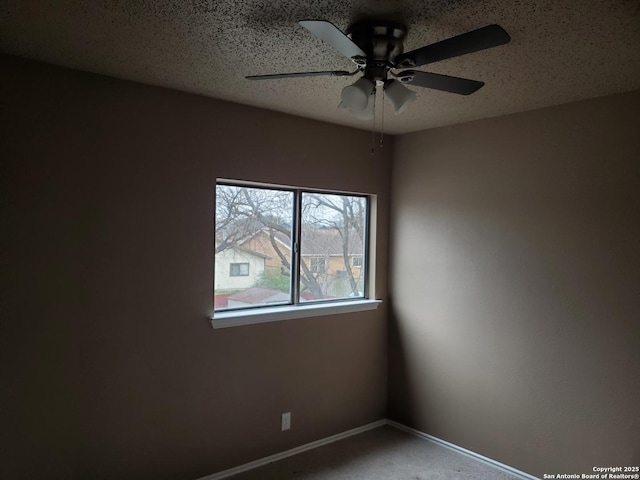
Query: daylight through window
(285, 246)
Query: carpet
(384, 453)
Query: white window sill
(288, 312)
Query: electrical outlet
(286, 421)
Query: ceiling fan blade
(331, 34)
(436, 81)
(474, 41)
(330, 73)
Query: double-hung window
(288, 248)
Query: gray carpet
(385, 453)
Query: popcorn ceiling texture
(561, 50)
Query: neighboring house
(261, 242)
(238, 268)
(322, 253)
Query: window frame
(307, 308)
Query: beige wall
(109, 366)
(516, 286)
(516, 273)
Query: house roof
(255, 295)
(321, 241)
(329, 242)
(251, 252)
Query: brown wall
(516, 286)
(109, 366)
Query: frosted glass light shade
(356, 97)
(399, 95)
(368, 112)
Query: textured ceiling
(561, 50)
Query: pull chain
(373, 129)
(382, 122)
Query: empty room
(377, 239)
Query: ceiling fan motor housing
(382, 41)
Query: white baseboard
(294, 451)
(355, 431)
(501, 466)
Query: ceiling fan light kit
(356, 97)
(376, 48)
(369, 111)
(399, 95)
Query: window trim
(237, 318)
(264, 313)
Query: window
(356, 261)
(288, 246)
(239, 270)
(317, 265)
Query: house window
(356, 261)
(287, 246)
(317, 265)
(239, 270)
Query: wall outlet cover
(286, 421)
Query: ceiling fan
(376, 49)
